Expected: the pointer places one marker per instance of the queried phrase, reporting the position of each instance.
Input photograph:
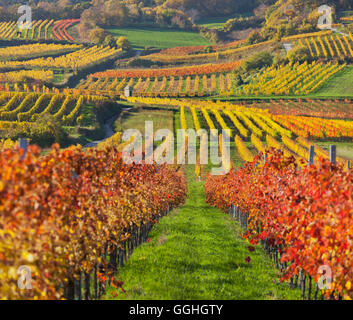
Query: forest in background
(264, 19)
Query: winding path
(107, 126)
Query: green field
(218, 22)
(135, 119)
(159, 38)
(344, 149)
(340, 84)
(213, 23)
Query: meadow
(141, 38)
(218, 22)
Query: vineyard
(88, 214)
(27, 107)
(300, 231)
(331, 109)
(40, 30)
(243, 191)
(290, 79)
(261, 127)
(32, 50)
(220, 53)
(329, 46)
(184, 81)
(76, 60)
(255, 129)
(22, 75)
(163, 86)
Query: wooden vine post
(311, 155)
(23, 143)
(333, 154)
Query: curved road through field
(107, 126)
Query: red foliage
(59, 212)
(308, 212)
(61, 27)
(179, 71)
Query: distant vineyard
(163, 86)
(24, 75)
(254, 131)
(198, 80)
(60, 29)
(198, 49)
(297, 79)
(219, 54)
(177, 71)
(76, 60)
(17, 108)
(38, 49)
(329, 46)
(331, 109)
(306, 35)
(289, 79)
(259, 127)
(41, 30)
(350, 18)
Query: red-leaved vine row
(61, 214)
(61, 27)
(307, 213)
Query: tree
(258, 61)
(254, 37)
(299, 54)
(109, 41)
(124, 43)
(97, 35)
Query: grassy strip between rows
(338, 85)
(197, 252)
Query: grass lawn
(213, 23)
(218, 22)
(197, 252)
(344, 149)
(340, 84)
(159, 38)
(61, 78)
(135, 119)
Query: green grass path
(196, 252)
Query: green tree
(109, 40)
(124, 43)
(98, 35)
(254, 37)
(299, 54)
(258, 61)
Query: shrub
(44, 132)
(258, 61)
(124, 43)
(299, 54)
